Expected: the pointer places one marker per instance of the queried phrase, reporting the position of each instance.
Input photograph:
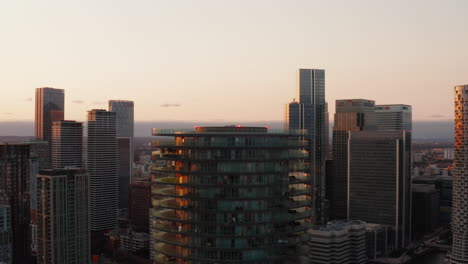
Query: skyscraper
(230, 195)
(50, 107)
(460, 179)
(140, 203)
(63, 217)
(394, 117)
(125, 130)
(350, 115)
(310, 114)
(67, 144)
(5, 235)
(379, 181)
(15, 192)
(102, 169)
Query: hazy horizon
(421, 129)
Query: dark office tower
(67, 144)
(350, 115)
(14, 192)
(394, 117)
(379, 178)
(63, 220)
(102, 169)
(125, 121)
(50, 107)
(230, 195)
(309, 114)
(460, 178)
(140, 203)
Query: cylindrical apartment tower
(460, 178)
(229, 195)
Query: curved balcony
(170, 228)
(171, 238)
(170, 250)
(202, 158)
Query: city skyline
(237, 50)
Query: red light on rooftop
(239, 126)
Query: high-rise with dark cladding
(460, 179)
(67, 144)
(310, 114)
(125, 122)
(102, 169)
(351, 115)
(50, 107)
(63, 219)
(15, 193)
(379, 181)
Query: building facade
(310, 114)
(15, 192)
(102, 169)
(338, 242)
(50, 107)
(6, 246)
(67, 144)
(140, 204)
(394, 117)
(379, 181)
(350, 115)
(125, 131)
(63, 217)
(230, 195)
(460, 179)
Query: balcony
(171, 238)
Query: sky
(230, 61)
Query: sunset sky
(219, 60)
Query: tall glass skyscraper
(394, 117)
(460, 179)
(125, 129)
(230, 195)
(310, 114)
(63, 216)
(102, 169)
(350, 115)
(50, 107)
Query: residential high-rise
(140, 203)
(379, 181)
(67, 144)
(102, 169)
(460, 179)
(63, 217)
(310, 114)
(50, 107)
(350, 115)
(125, 130)
(394, 117)
(230, 195)
(15, 192)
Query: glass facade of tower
(230, 195)
(310, 115)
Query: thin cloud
(29, 99)
(437, 116)
(7, 113)
(78, 101)
(170, 105)
(97, 103)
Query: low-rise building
(338, 242)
